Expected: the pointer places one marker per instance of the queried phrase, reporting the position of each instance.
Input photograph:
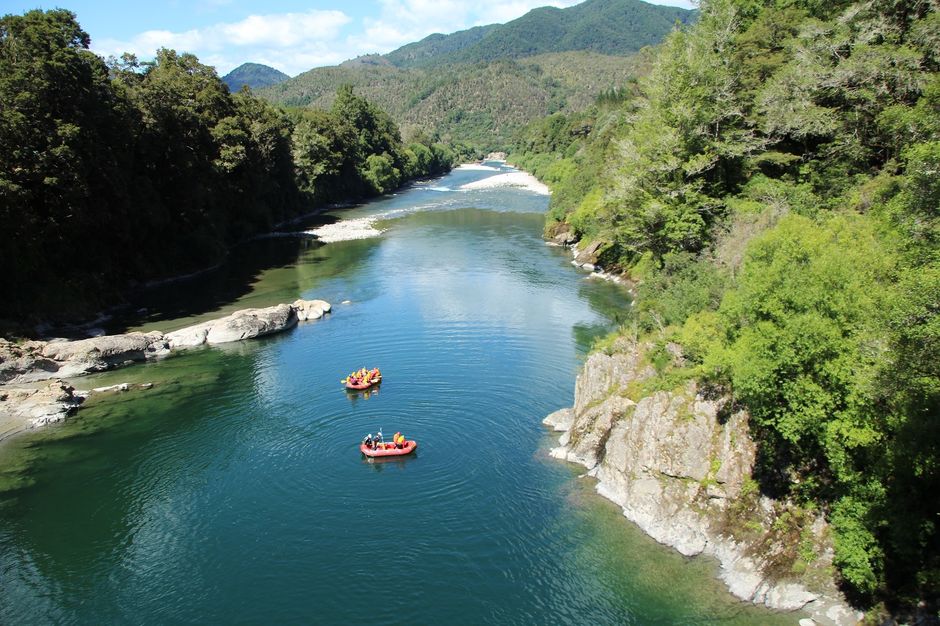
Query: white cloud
(404, 21)
(296, 42)
(499, 12)
(294, 39)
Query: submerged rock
(311, 309)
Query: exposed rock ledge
(683, 476)
(27, 405)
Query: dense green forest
(253, 75)
(610, 27)
(120, 172)
(772, 186)
(480, 104)
(479, 86)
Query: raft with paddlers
(362, 379)
(388, 449)
(377, 446)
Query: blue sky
(291, 35)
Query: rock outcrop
(561, 234)
(586, 257)
(38, 406)
(240, 325)
(32, 361)
(96, 354)
(679, 464)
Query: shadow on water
(611, 302)
(355, 395)
(124, 453)
(607, 299)
(258, 273)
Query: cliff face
(679, 465)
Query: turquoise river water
(233, 490)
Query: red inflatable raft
(363, 385)
(389, 449)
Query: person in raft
(397, 439)
(368, 442)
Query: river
(233, 490)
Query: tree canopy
(771, 186)
(121, 172)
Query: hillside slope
(479, 103)
(253, 75)
(483, 84)
(613, 27)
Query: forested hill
(613, 27)
(253, 75)
(150, 170)
(481, 85)
(481, 104)
(772, 187)
(438, 48)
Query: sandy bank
(511, 179)
(346, 230)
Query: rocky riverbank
(679, 464)
(28, 399)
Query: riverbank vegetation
(119, 172)
(772, 186)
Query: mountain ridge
(482, 84)
(592, 25)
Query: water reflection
(114, 480)
(381, 464)
(355, 395)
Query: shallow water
(233, 490)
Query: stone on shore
(101, 353)
(247, 324)
(587, 257)
(16, 359)
(36, 360)
(510, 179)
(39, 406)
(188, 337)
(32, 361)
(252, 323)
